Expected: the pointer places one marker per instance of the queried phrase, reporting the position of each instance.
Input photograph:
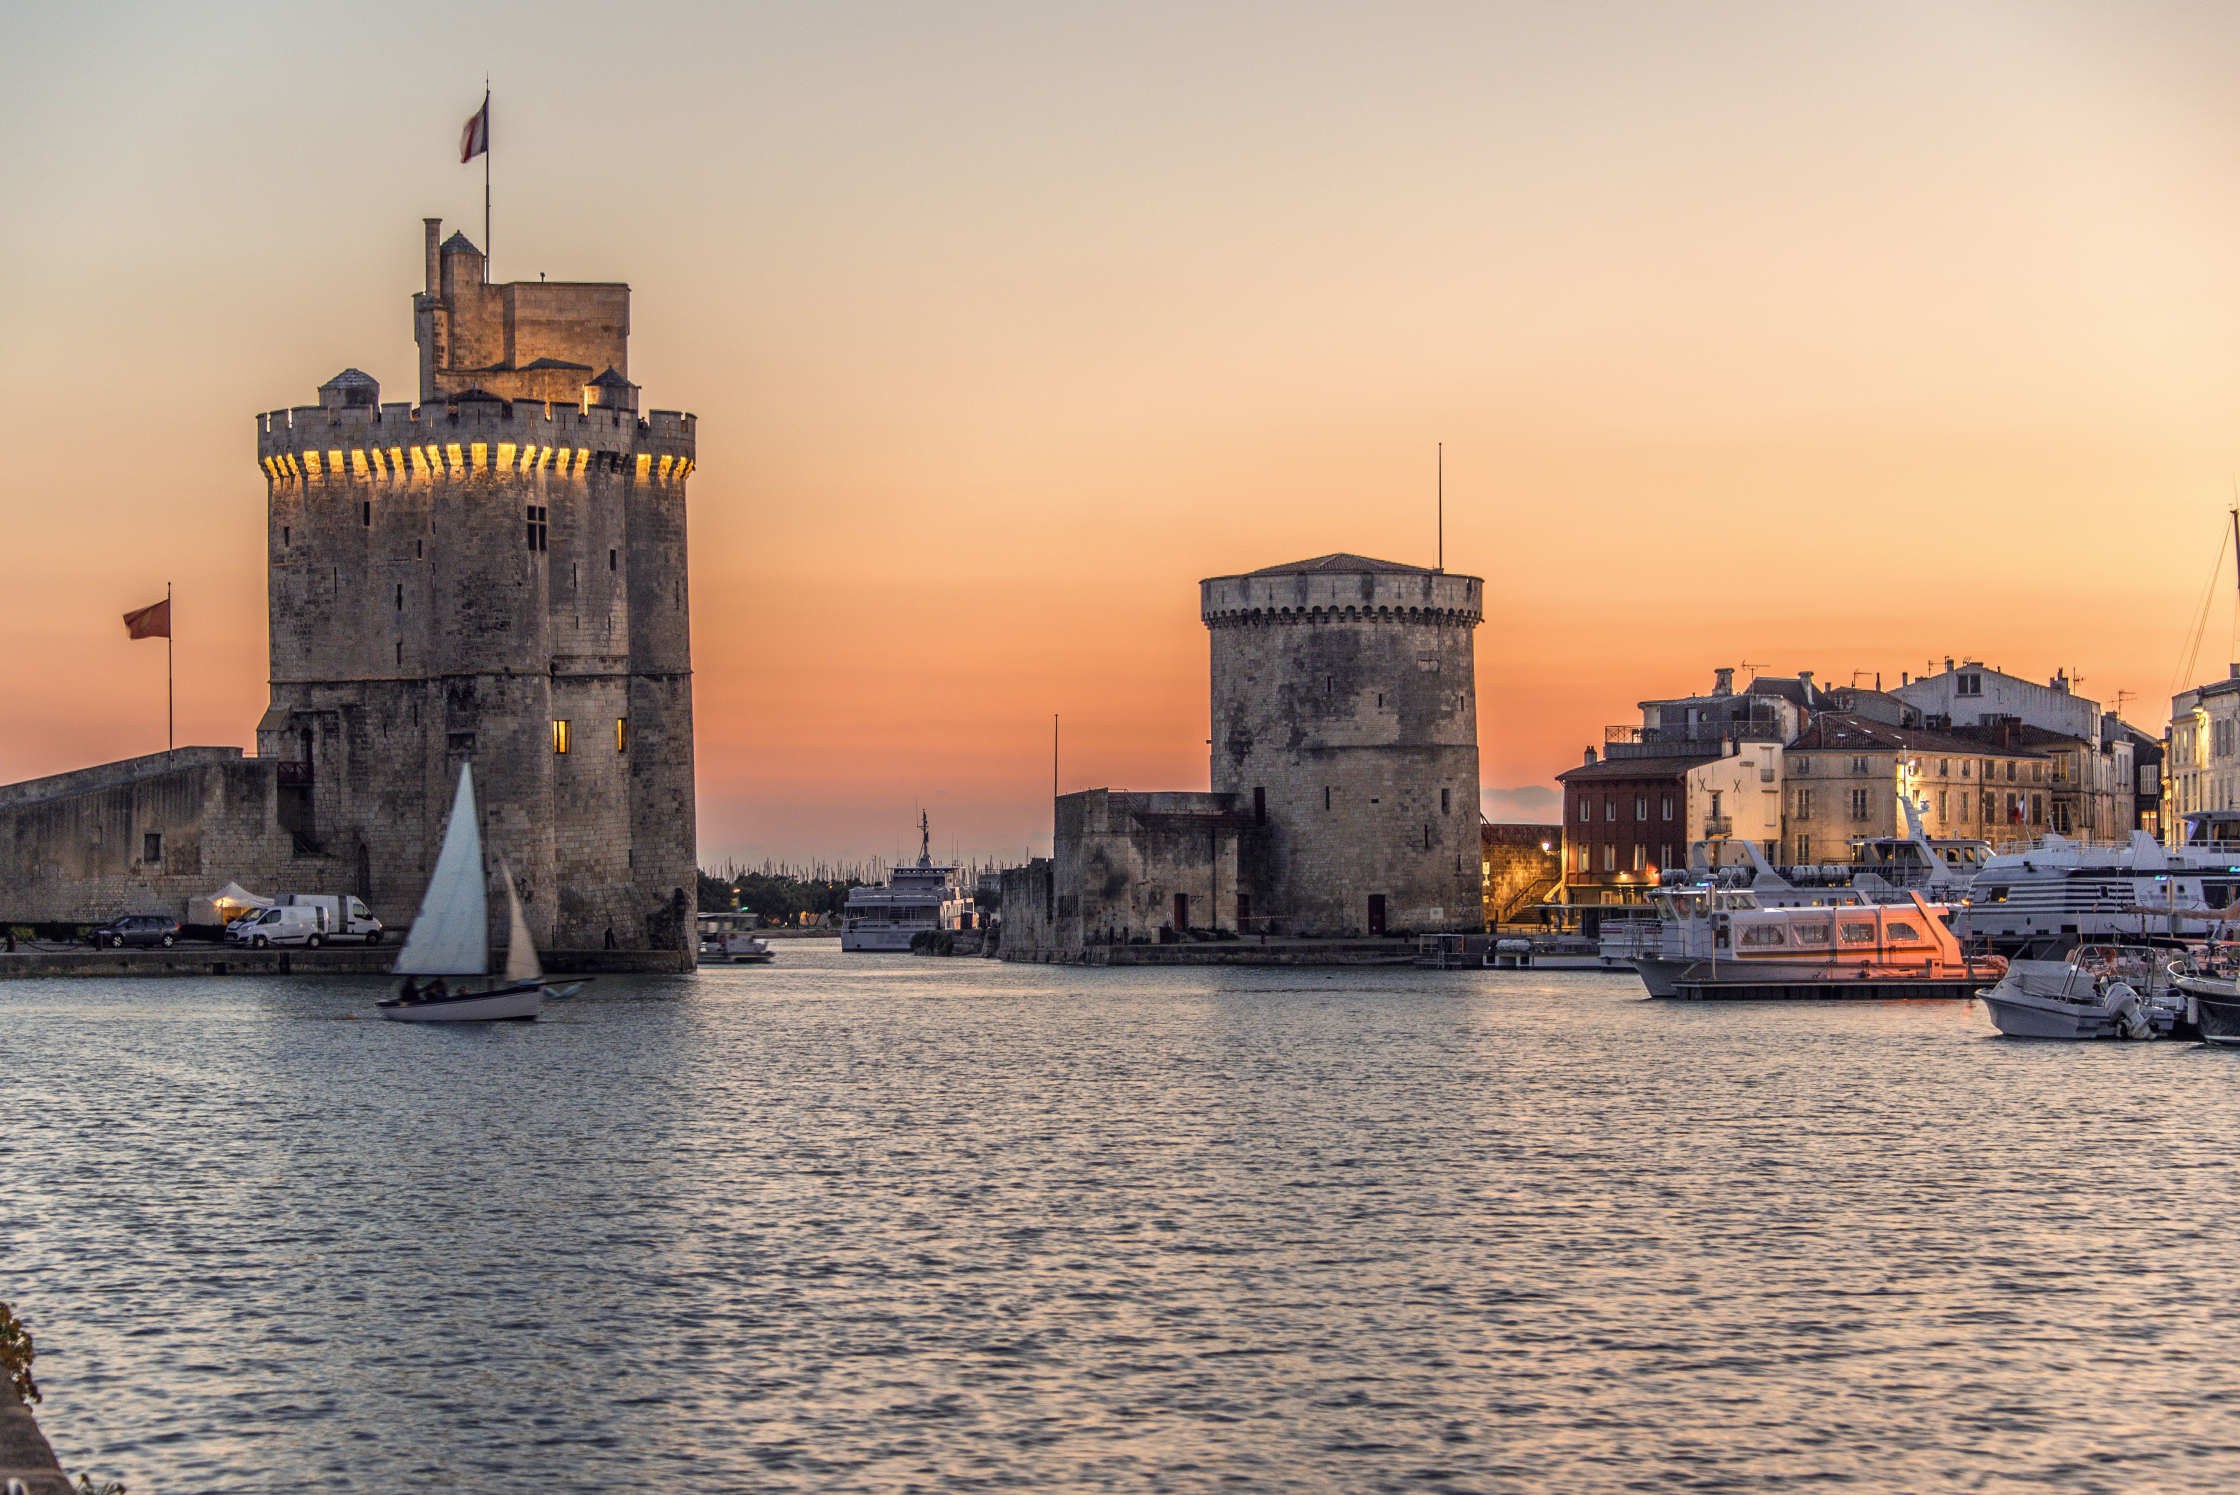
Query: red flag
(149, 622)
(475, 139)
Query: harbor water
(885, 1223)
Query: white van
(279, 926)
(347, 918)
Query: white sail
(521, 950)
(451, 936)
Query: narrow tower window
(539, 517)
(622, 734)
(1326, 796)
(417, 553)
(400, 596)
(610, 560)
(365, 513)
(559, 736)
(283, 536)
(1445, 801)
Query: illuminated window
(622, 734)
(559, 736)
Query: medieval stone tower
(495, 576)
(1345, 723)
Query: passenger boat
(727, 939)
(1858, 951)
(2101, 890)
(2091, 991)
(916, 900)
(450, 938)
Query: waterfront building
(1845, 774)
(1521, 866)
(2204, 762)
(1627, 819)
(495, 575)
(2098, 788)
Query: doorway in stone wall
(1376, 914)
(1181, 912)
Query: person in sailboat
(411, 992)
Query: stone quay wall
(1344, 716)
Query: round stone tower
(1345, 722)
(493, 576)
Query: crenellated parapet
(403, 443)
(1343, 589)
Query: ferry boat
(916, 900)
(1846, 951)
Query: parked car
(347, 918)
(138, 929)
(280, 926)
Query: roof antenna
(1442, 508)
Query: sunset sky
(1841, 338)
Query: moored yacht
(2100, 890)
(1845, 951)
(916, 900)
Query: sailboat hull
(520, 1001)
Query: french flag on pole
(475, 139)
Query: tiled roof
(1634, 768)
(458, 241)
(1839, 733)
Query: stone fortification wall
(1523, 867)
(1122, 860)
(1344, 716)
(531, 340)
(1028, 910)
(75, 848)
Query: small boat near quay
(1844, 952)
(728, 939)
(2095, 990)
(2210, 983)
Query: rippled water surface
(887, 1224)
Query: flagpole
(485, 181)
(170, 693)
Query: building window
(1610, 808)
(1941, 801)
(151, 847)
(1609, 856)
(2037, 809)
(1804, 851)
(1968, 685)
(1641, 807)
(1860, 765)
(2010, 770)
(283, 537)
(1326, 802)
(539, 519)
(2037, 773)
(1444, 801)
(1668, 807)
(365, 513)
(1800, 766)
(1715, 797)
(1586, 808)
(1964, 767)
(622, 734)
(1859, 806)
(400, 596)
(610, 560)
(1640, 857)
(559, 736)
(1990, 770)
(1804, 804)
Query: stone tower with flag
(495, 574)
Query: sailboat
(450, 938)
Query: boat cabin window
(1809, 934)
(1762, 935)
(1903, 934)
(1857, 934)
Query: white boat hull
(894, 940)
(471, 1007)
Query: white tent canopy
(224, 906)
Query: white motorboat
(726, 939)
(2097, 991)
(450, 938)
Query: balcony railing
(1718, 825)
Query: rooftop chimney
(1948, 664)
(1590, 757)
(435, 259)
(1725, 687)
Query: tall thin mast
(486, 179)
(170, 677)
(1442, 507)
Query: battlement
(399, 440)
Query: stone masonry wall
(1347, 704)
(1518, 872)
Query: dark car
(138, 929)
